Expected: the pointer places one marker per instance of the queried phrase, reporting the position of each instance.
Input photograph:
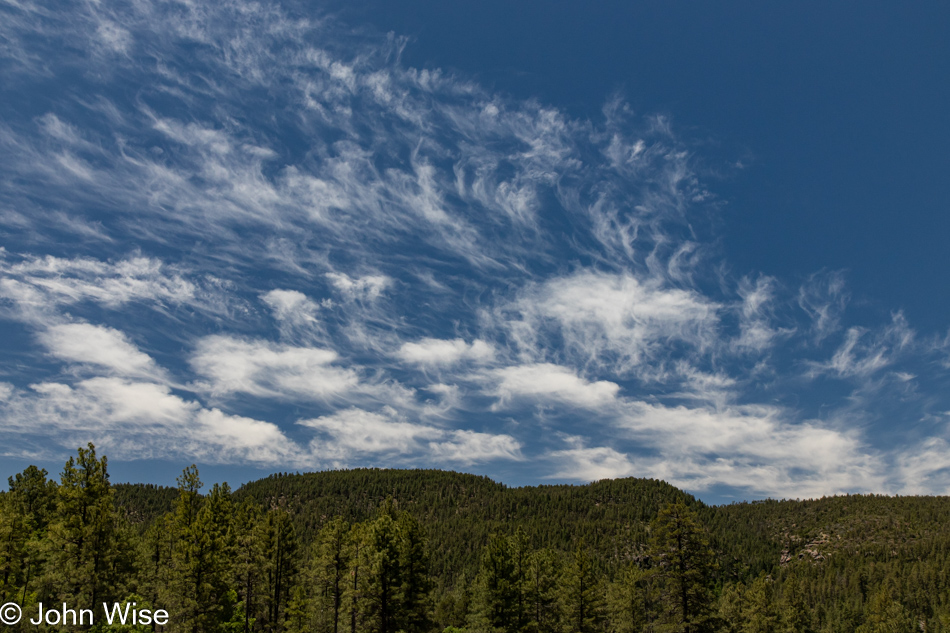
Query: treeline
(429, 551)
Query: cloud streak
(249, 235)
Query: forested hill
(611, 517)
(427, 551)
(461, 511)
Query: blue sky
(548, 243)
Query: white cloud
(358, 431)
(423, 175)
(863, 353)
(100, 346)
(551, 383)
(264, 369)
(366, 287)
(754, 447)
(36, 284)
(924, 468)
(612, 320)
(114, 37)
(747, 451)
(582, 463)
(431, 351)
(470, 447)
(823, 298)
(140, 420)
(291, 306)
(352, 433)
(756, 332)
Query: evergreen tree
(248, 563)
(280, 554)
(884, 614)
(359, 556)
(197, 588)
(732, 608)
(83, 554)
(498, 589)
(382, 578)
(626, 601)
(33, 497)
(14, 570)
(453, 607)
(760, 614)
(155, 560)
(415, 584)
(326, 578)
(684, 565)
(544, 577)
(583, 595)
(795, 610)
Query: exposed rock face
(809, 550)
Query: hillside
(429, 551)
(460, 512)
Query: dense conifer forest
(388, 551)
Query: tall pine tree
(684, 564)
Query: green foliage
(628, 600)
(684, 565)
(375, 551)
(584, 595)
(84, 554)
(499, 603)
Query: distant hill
(460, 511)
(142, 503)
(845, 564)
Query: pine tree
(795, 611)
(684, 565)
(544, 578)
(248, 563)
(358, 553)
(382, 579)
(280, 554)
(760, 614)
(497, 597)
(626, 601)
(33, 497)
(884, 614)
(25, 513)
(155, 558)
(583, 595)
(326, 576)
(415, 584)
(197, 589)
(732, 608)
(83, 558)
(13, 538)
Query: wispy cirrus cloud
(135, 420)
(545, 382)
(438, 352)
(35, 284)
(230, 365)
(102, 347)
(238, 211)
(356, 432)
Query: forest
(418, 551)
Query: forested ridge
(384, 551)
